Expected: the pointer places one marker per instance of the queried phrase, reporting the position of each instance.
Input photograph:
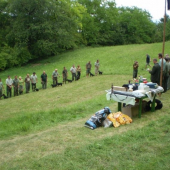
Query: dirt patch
(34, 65)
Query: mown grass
(45, 129)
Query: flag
(168, 4)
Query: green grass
(45, 129)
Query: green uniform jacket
(155, 73)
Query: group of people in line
(158, 65)
(30, 81)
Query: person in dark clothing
(44, 80)
(15, 85)
(155, 72)
(148, 59)
(65, 75)
(135, 69)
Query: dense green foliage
(38, 29)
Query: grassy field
(45, 129)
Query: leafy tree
(136, 25)
(43, 27)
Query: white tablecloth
(129, 97)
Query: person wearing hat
(21, 85)
(55, 76)
(15, 85)
(33, 81)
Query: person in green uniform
(88, 68)
(44, 80)
(155, 72)
(27, 83)
(55, 76)
(135, 69)
(15, 85)
(21, 85)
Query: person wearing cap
(9, 83)
(33, 81)
(44, 80)
(65, 75)
(21, 85)
(73, 72)
(15, 85)
(55, 76)
(27, 83)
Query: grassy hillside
(45, 129)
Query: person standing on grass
(135, 69)
(168, 84)
(78, 71)
(73, 72)
(9, 83)
(96, 67)
(15, 85)
(155, 72)
(166, 75)
(1, 88)
(161, 59)
(148, 59)
(21, 85)
(44, 80)
(88, 68)
(65, 75)
(55, 76)
(27, 83)
(33, 81)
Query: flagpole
(163, 47)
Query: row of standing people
(75, 72)
(18, 83)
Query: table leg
(140, 107)
(119, 106)
(153, 105)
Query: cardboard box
(130, 110)
(118, 88)
(133, 111)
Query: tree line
(37, 29)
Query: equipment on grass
(97, 119)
